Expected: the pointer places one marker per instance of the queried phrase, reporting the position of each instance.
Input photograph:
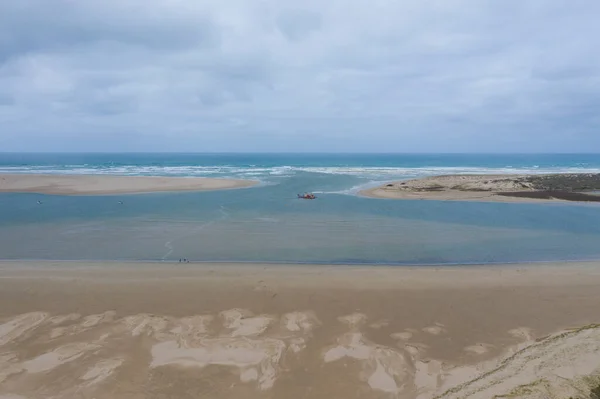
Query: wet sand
(106, 185)
(134, 330)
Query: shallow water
(268, 223)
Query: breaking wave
(267, 174)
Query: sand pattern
(382, 366)
(101, 371)
(555, 367)
(436, 329)
(404, 336)
(478, 349)
(20, 325)
(92, 351)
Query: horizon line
(289, 153)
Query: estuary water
(268, 223)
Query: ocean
(268, 223)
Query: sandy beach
(106, 185)
(493, 188)
(134, 330)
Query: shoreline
(284, 264)
(59, 184)
(117, 329)
(543, 188)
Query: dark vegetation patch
(478, 189)
(565, 182)
(595, 393)
(563, 195)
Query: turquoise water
(268, 223)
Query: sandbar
(128, 330)
(494, 188)
(108, 184)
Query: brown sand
(104, 184)
(484, 188)
(115, 330)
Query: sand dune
(105, 184)
(493, 188)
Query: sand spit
(496, 188)
(106, 184)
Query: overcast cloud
(281, 75)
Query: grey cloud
(297, 24)
(349, 75)
(31, 26)
(554, 73)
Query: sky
(282, 75)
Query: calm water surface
(268, 223)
